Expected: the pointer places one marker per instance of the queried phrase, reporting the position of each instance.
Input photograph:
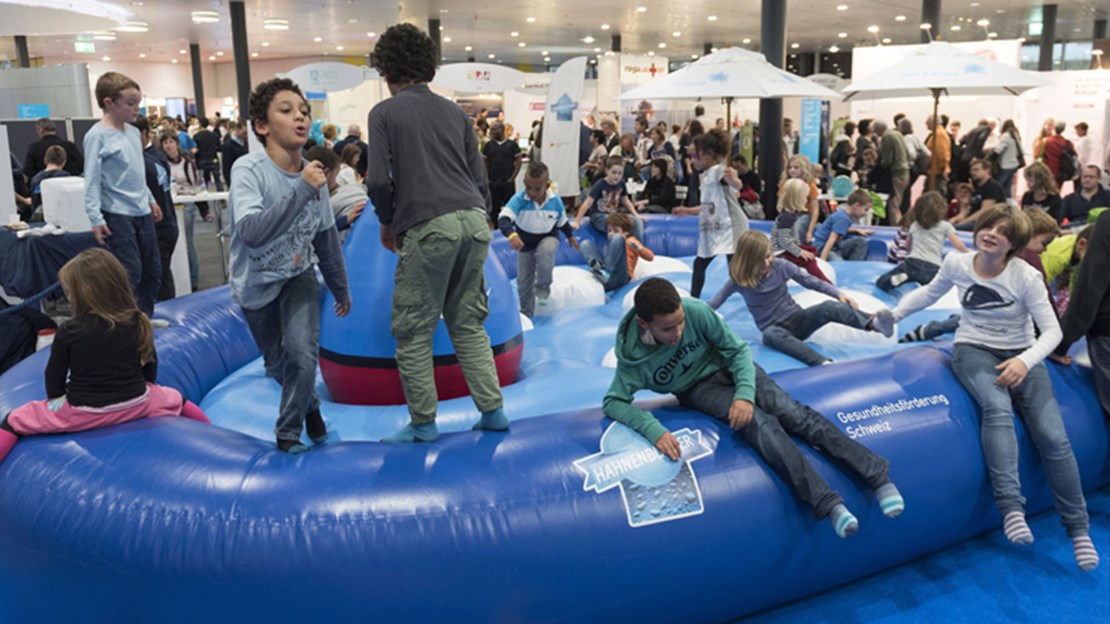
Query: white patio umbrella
(729, 74)
(937, 68)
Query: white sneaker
(159, 323)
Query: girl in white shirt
(997, 358)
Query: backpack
(1069, 163)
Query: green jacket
(708, 345)
(892, 151)
(1057, 257)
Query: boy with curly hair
(281, 226)
(428, 185)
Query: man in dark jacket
(235, 145)
(208, 154)
(36, 152)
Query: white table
(179, 262)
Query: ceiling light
(469, 48)
(712, 18)
(795, 46)
(352, 21)
(545, 53)
(926, 26)
(492, 56)
(974, 4)
(992, 35)
(338, 48)
(833, 49)
(547, 59)
(104, 36)
(275, 24)
(886, 39)
(605, 27)
(211, 58)
(142, 54)
(530, 20)
(220, 53)
(662, 45)
(446, 40)
(676, 34)
(174, 61)
(747, 40)
(872, 29)
(514, 34)
(106, 59)
(205, 17)
(712, 49)
(186, 51)
(842, 35)
(593, 61)
(899, 18)
(694, 56)
(371, 34)
(588, 39)
(651, 52)
(954, 27)
(842, 7)
(254, 54)
(641, 9)
(317, 39)
(983, 22)
(134, 27)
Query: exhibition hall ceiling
(528, 32)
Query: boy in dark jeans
(664, 334)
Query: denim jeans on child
(775, 418)
(1098, 347)
(615, 260)
(135, 243)
(533, 273)
(598, 221)
(440, 272)
(912, 270)
(934, 329)
(850, 248)
(1036, 406)
(287, 331)
(787, 336)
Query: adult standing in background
(1010, 156)
(48, 136)
(503, 158)
(1084, 148)
(354, 136)
(428, 185)
(234, 147)
(939, 143)
(208, 154)
(894, 158)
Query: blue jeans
(598, 218)
(787, 336)
(935, 329)
(912, 269)
(1005, 177)
(775, 418)
(191, 214)
(1098, 347)
(1036, 406)
(615, 260)
(287, 331)
(849, 248)
(135, 243)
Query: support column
(1048, 37)
(21, 53)
(615, 44)
(433, 32)
(773, 45)
(930, 14)
(198, 78)
(241, 54)
(707, 48)
(1100, 29)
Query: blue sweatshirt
(115, 174)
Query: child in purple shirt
(761, 279)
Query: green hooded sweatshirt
(708, 345)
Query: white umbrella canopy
(730, 73)
(940, 67)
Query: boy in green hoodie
(669, 344)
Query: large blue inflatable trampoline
(564, 518)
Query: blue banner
(811, 130)
(34, 111)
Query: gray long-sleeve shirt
(770, 301)
(423, 160)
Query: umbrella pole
(929, 182)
